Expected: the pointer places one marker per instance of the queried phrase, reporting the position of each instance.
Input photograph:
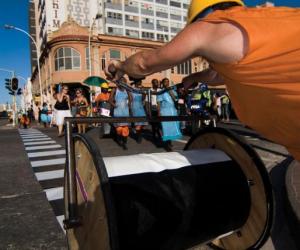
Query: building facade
(63, 29)
(146, 19)
(65, 59)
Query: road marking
(60, 221)
(33, 139)
(49, 175)
(182, 141)
(33, 134)
(52, 162)
(39, 142)
(54, 193)
(46, 153)
(37, 139)
(42, 147)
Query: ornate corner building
(116, 29)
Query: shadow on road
(282, 235)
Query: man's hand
(114, 70)
(207, 76)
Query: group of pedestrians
(119, 102)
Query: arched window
(67, 59)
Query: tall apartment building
(147, 19)
(64, 29)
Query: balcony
(175, 30)
(175, 17)
(113, 6)
(147, 12)
(162, 28)
(131, 23)
(131, 9)
(161, 14)
(148, 26)
(162, 1)
(114, 21)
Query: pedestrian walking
(62, 107)
(154, 110)
(104, 108)
(81, 104)
(225, 101)
(120, 100)
(166, 107)
(45, 118)
(138, 110)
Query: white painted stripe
(60, 219)
(49, 175)
(39, 142)
(157, 162)
(29, 132)
(43, 163)
(46, 153)
(36, 136)
(182, 141)
(37, 139)
(42, 147)
(54, 193)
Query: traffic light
(8, 83)
(14, 83)
(19, 92)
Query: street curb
(292, 186)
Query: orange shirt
(102, 97)
(264, 86)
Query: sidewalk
(27, 220)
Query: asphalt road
(28, 216)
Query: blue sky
(14, 45)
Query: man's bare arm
(207, 76)
(187, 44)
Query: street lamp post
(6, 26)
(90, 34)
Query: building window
(87, 58)
(184, 68)
(115, 31)
(175, 4)
(103, 61)
(67, 59)
(147, 35)
(114, 54)
(162, 37)
(132, 33)
(114, 15)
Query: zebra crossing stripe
(34, 137)
(54, 193)
(52, 162)
(39, 142)
(60, 219)
(32, 134)
(37, 139)
(46, 153)
(49, 175)
(42, 147)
